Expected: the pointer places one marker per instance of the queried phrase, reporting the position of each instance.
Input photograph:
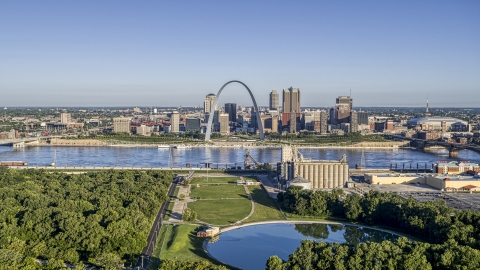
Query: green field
(265, 207)
(218, 180)
(217, 191)
(221, 212)
(179, 243)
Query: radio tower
(427, 113)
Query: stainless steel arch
(214, 105)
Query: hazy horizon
(154, 53)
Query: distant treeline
(102, 218)
(454, 235)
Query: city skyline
(157, 54)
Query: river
(198, 156)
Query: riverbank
(221, 144)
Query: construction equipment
(249, 159)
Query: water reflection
(259, 242)
(153, 157)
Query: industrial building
(320, 173)
(442, 182)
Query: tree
(189, 215)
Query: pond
(250, 247)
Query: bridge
(426, 145)
(18, 143)
(22, 142)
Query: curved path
(253, 205)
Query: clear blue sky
(161, 53)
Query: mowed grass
(219, 180)
(180, 243)
(168, 213)
(265, 207)
(217, 191)
(221, 212)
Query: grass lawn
(221, 212)
(219, 180)
(217, 191)
(175, 193)
(179, 243)
(265, 207)
(168, 213)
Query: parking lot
(425, 193)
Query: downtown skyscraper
(274, 101)
(291, 105)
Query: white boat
(163, 146)
(181, 146)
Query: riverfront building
(455, 167)
(121, 124)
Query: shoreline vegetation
(223, 144)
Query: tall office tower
(343, 107)
(362, 118)
(231, 109)
(323, 122)
(253, 119)
(293, 122)
(121, 124)
(291, 103)
(320, 119)
(207, 104)
(331, 116)
(354, 121)
(224, 121)
(192, 124)
(274, 101)
(175, 122)
(65, 118)
(274, 123)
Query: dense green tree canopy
(100, 217)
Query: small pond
(250, 247)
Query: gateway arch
(214, 104)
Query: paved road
(179, 206)
(147, 251)
(270, 186)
